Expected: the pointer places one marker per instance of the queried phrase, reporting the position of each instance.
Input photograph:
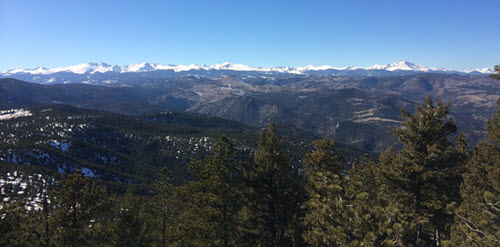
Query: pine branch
(474, 228)
(492, 205)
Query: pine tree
(79, 206)
(32, 232)
(365, 207)
(326, 189)
(272, 195)
(22, 223)
(211, 214)
(163, 207)
(13, 218)
(132, 226)
(423, 178)
(47, 208)
(478, 217)
(497, 71)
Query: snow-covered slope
(84, 68)
(98, 73)
(404, 65)
(481, 71)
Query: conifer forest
(250, 188)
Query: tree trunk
(417, 240)
(74, 221)
(226, 228)
(46, 215)
(163, 228)
(276, 240)
(281, 237)
(401, 242)
(438, 240)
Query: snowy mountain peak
(238, 67)
(400, 65)
(139, 67)
(407, 66)
(404, 65)
(85, 68)
(481, 71)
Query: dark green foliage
(363, 217)
(497, 71)
(420, 181)
(80, 207)
(24, 205)
(478, 217)
(411, 197)
(326, 205)
(121, 148)
(19, 227)
(272, 196)
(213, 200)
(132, 226)
(162, 207)
(342, 209)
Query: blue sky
(451, 34)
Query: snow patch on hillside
(14, 113)
(64, 146)
(88, 173)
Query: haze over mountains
(102, 73)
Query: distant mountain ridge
(328, 106)
(102, 73)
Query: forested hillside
(357, 111)
(124, 149)
(77, 177)
(243, 191)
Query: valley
(358, 111)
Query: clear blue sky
(453, 34)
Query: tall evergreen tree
(79, 205)
(478, 217)
(16, 225)
(47, 208)
(326, 190)
(213, 200)
(423, 178)
(272, 200)
(25, 222)
(163, 207)
(365, 207)
(132, 226)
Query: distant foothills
(102, 73)
(359, 111)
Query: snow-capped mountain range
(91, 68)
(101, 72)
